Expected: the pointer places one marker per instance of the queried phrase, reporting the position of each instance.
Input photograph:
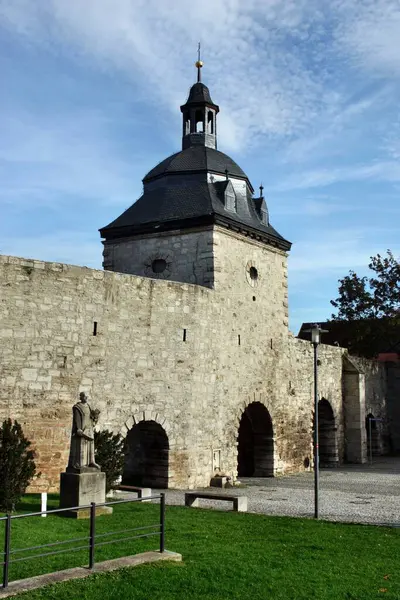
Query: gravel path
(356, 493)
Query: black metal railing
(91, 540)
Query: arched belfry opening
(328, 447)
(210, 121)
(373, 440)
(199, 121)
(147, 454)
(256, 442)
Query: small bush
(109, 452)
(17, 466)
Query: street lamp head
(316, 332)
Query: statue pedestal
(77, 489)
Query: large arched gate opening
(256, 442)
(328, 448)
(146, 459)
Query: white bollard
(44, 503)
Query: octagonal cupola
(199, 116)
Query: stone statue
(81, 455)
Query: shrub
(17, 466)
(110, 455)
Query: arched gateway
(328, 448)
(256, 442)
(146, 460)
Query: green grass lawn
(226, 556)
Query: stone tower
(198, 221)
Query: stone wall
(190, 358)
(136, 366)
(187, 254)
(376, 396)
(393, 404)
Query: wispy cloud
(368, 33)
(383, 171)
(339, 251)
(253, 62)
(317, 263)
(321, 205)
(270, 63)
(308, 93)
(64, 154)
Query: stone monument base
(77, 489)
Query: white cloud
(339, 130)
(381, 171)
(369, 32)
(338, 251)
(321, 205)
(269, 63)
(263, 83)
(65, 154)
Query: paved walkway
(354, 493)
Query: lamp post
(316, 340)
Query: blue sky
(309, 98)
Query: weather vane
(199, 63)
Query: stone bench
(239, 502)
(141, 492)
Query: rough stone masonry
(182, 343)
(158, 351)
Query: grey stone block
(81, 489)
(240, 504)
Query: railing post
(7, 541)
(92, 534)
(162, 523)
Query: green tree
(372, 305)
(110, 455)
(17, 465)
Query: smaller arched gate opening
(147, 455)
(327, 430)
(256, 442)
(373, 440)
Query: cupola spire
(199, 63)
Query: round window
(158, 265)
(253, 273)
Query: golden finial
(198, 63)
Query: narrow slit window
(184, 335)
(239, 340)
(95, 328)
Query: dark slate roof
(199, 93)
(197, 159)
(189, 202)
(168, 203)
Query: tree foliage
(17, 465)
(110, 455)
(372, 304)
